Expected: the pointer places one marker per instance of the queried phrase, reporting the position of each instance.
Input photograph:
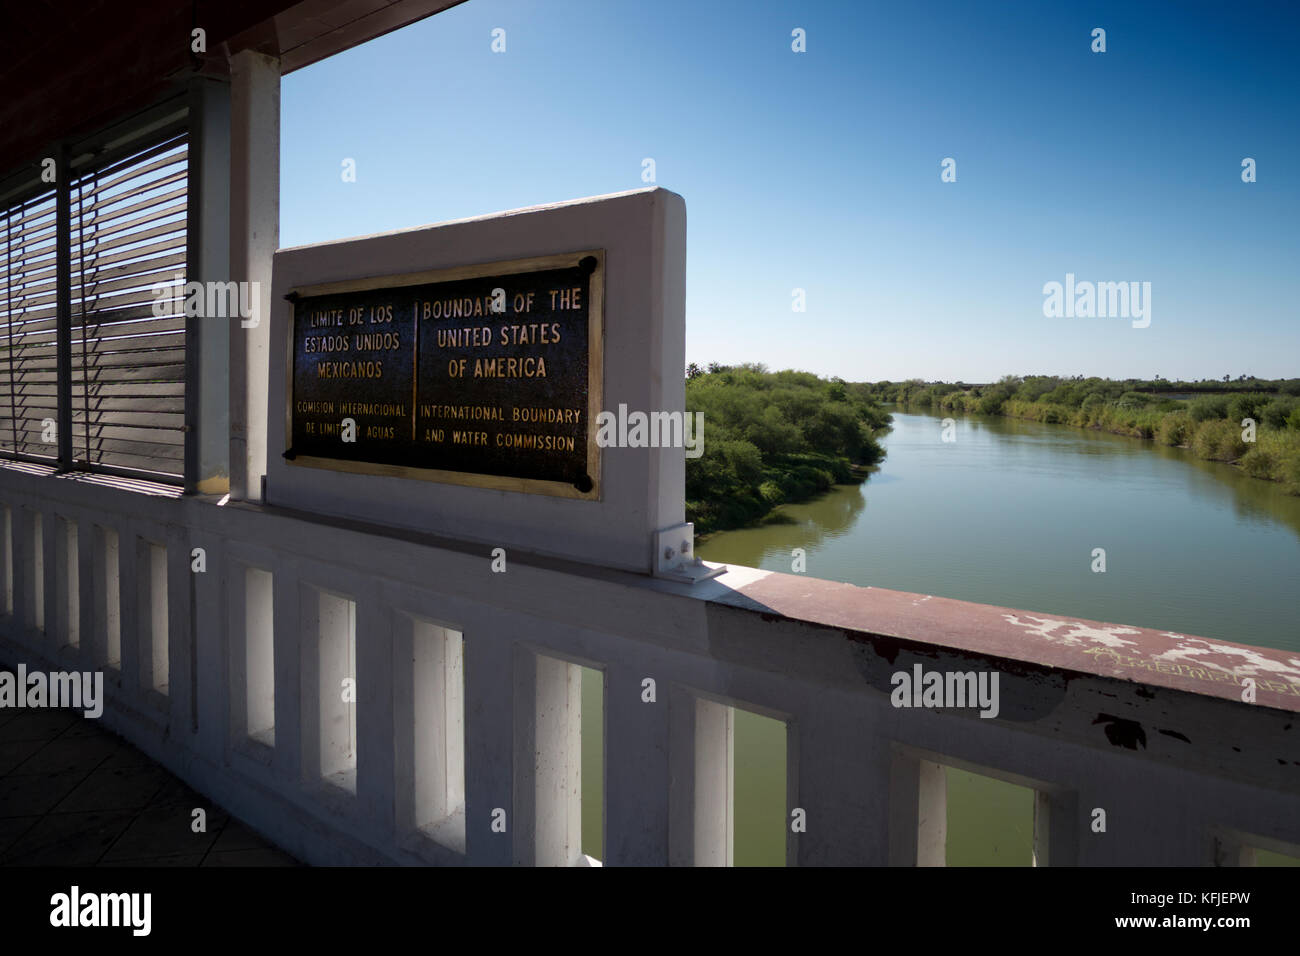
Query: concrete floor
(73, 794)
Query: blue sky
(821, 170)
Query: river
(1009, 513)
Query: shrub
(1247, 405)
(1260, 463)
(1275, 413)
(1290, 473)
(1208, 407)
(1175, 429)
(815, 478)
(1144, 424)
(1218, 441)
(840, 471)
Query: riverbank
(774, 438)
(1274, 455)
(1214, 427)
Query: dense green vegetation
(1207, 420)
(772, 437)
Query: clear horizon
(821, 170)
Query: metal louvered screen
(128, 251)
(28, 307)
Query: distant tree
(694, 371)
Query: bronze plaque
(482, 375)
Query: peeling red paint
(1143, 655)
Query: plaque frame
(595, 373)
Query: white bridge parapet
(460, 741)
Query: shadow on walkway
(73, 794)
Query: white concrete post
(24, 566)
(179, 582)
(46, 580)
(210, 674)
(1056, 828)
(7, 561)
(211, 202)
(490, 705)
(66, 619)
(918, 812)
(254, 236)
(714, 773)
(557, 763)
(843, 790)
(932, 815)
(374, 712)
(636, 778)
(89, 558)
(130, 618)
(287, 636)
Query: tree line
(774, 437)
(1255, 424)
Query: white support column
(180, 637)
(547, 760)
(208, 664)
(374, 714)
(843, 791)
(932, 815)
(490, 702)
(66, 620)
(254, 237)
(7, 579)
(918, 812)
(714, 776)
(208, 408)
(287, 636)
(47, 575)
(557, 763)
(131, 620)
(1056, 828)
(88, 557)
(151, 636)
(636, 772)
(24, 569)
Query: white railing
(369, 696)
